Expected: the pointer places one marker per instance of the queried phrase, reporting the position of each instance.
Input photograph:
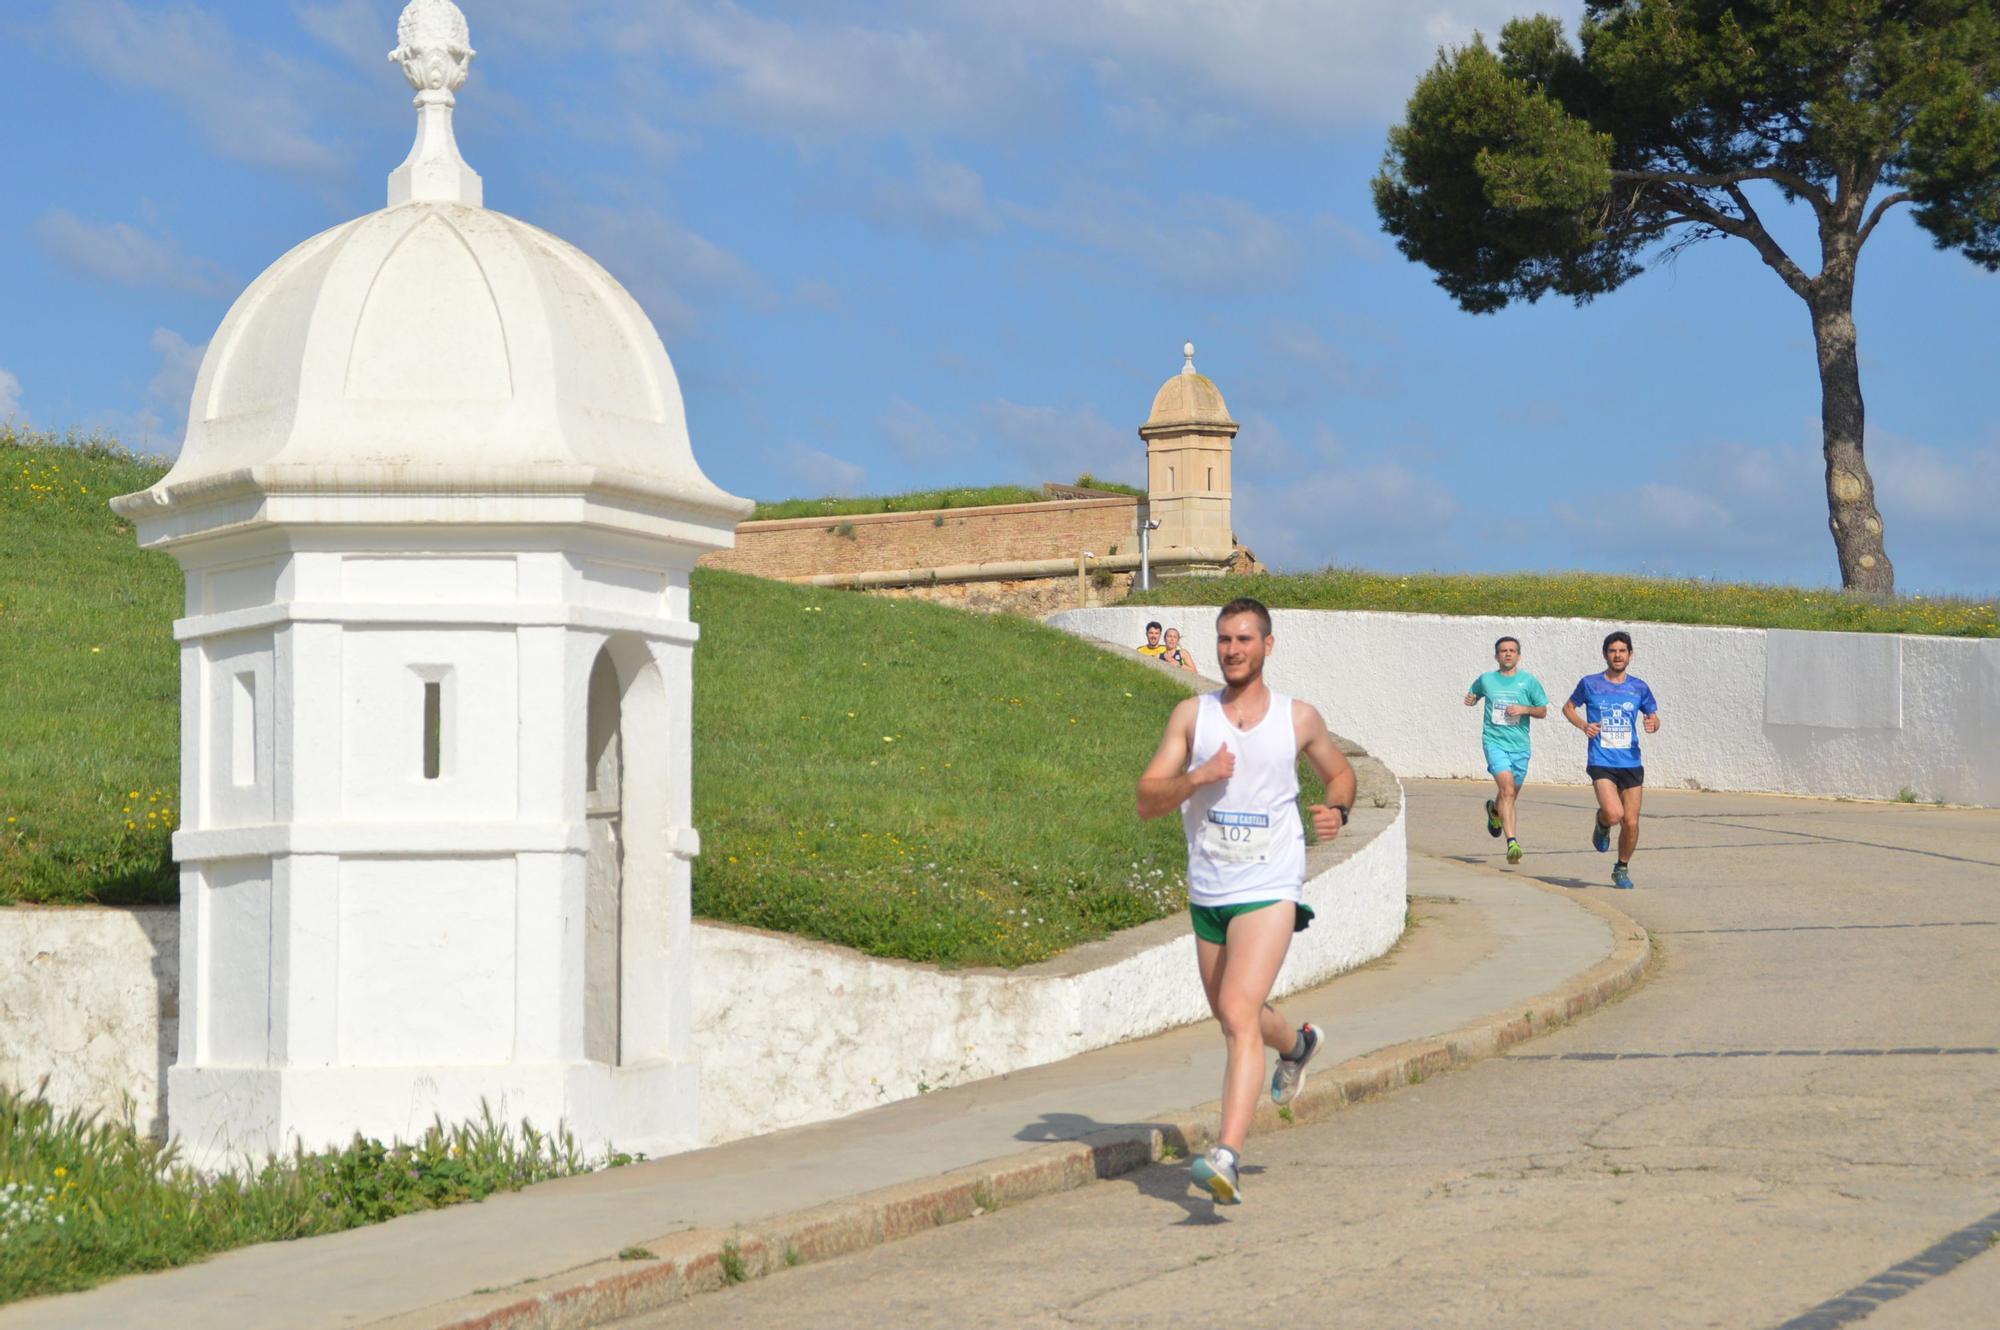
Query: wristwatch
(1346, 814)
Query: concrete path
(1794, 1123)
(1483, 944)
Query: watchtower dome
(436, 509)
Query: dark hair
(1246, 605)
(1498, 642)
(1152, 625)
(1620, 636)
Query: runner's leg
(1508, 793)
(1628, 816)
(1610, 807)
(1243, 976)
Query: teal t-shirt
(1501, 691)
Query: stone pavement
(1793, 1120)
(1484, 944)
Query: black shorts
(1625, 778)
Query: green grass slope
(898, 777)
(1591, 596)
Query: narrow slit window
(1170, 478)
(1211, 477)
(243, 730)
(433, 727)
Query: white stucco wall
(857, 1031)
(787, 1032)
(1861, 715)
(88, 1000)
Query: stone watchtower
(436, 508)
(1188, 442)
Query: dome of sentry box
(436, 347)
(1189, 399)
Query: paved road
(1801, 1100)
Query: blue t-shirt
(1615, 709)
(1500, 691)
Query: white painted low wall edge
(851, 1031)
(1843, 715)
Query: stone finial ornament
(434, 47)
(1187, 349)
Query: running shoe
(1290, 1075)
(1621, 878)
(1600, 835)
(1513, 851)
(1217, 1172)
(1492, 818)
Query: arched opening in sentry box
(627, 894)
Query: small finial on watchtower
(434, 47)
(1187, 349)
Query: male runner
(1154, 647)
(1512, 699)
(1615, 706)
(1230, 764)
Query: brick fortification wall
(883, 542)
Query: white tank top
(1245, 840)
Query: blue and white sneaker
(1216, 1171)
(1621, 878)
(1290, 1075)
(1600, 835)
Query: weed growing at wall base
(1591, 596)
(83, 1199)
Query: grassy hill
(917, 501)
(895, 776)
(1591, 596)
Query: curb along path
(682, 1264)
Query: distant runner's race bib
(1499, 709)
(1236, 838)
(1615, 730)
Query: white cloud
(1321, 502)
(358, 29)
(918, 439)
(946, 201)
(1207, 241)
(159, 425)
(665, 264)
(247, 102)
(1059, 443)
(123, 255)
(817, 473)
(10, 399)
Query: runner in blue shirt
(1513, 698)
(1612, 708)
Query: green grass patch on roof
(899, 777)
(1591, 596)
(918, 501)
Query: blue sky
(901, 244)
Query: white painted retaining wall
(857, 1031)
(89, 998)
(787, 1031)
(1862, 715)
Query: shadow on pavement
(1165, 1181)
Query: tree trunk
(1850, 491)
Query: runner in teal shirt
(1512, 699)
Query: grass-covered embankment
(894, 776)
(1591, 596)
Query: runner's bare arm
(1167, 782)
(1652, 722)
(1316, 742)
(1575, 718)
(1472, 699)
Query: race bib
(1608, 738)
(1236, 838)
(1499, 710)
